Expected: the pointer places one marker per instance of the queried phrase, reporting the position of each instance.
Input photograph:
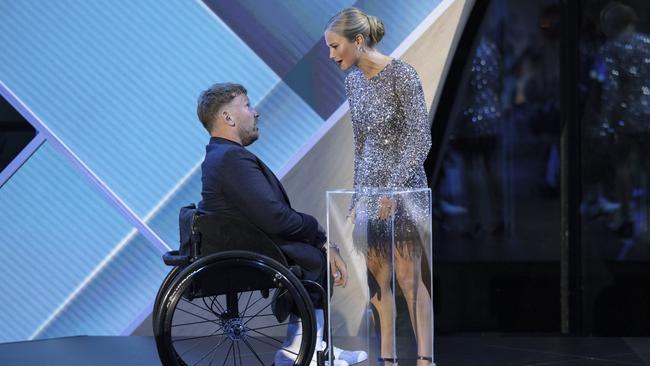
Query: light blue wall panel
(279, 31)
(286, 123)
(400, 18)
(165, 221)
(54, 231)
(124, 288)
(117, 81)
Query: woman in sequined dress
(391, 139)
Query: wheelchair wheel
(161, 291)
(218, 311)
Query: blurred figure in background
(478, 138)
(624, 122)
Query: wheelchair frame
(233, 259)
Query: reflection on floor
(510, 276)
(548, 351)
(484, 350)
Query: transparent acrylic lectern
(385, 308)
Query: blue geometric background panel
(286, 122)
(55, 229)
(118, 294)
(282, 39)
(165, 220)
(117, 81)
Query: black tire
(213, 313)
(161, 292)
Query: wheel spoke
(273, 345)
(250, 294)
(252, 350)
(267, 336)
(198, 337)
(277, 325)
(200, 307)
(214, 355)
(205, 303)
(255, 302)
(228, 354)
(256, 316)
(208, 353)
(202, 342)
(239, 353)
(215, 300)
(198, 316)
(192, 323)
(221, 307)
(264, 308)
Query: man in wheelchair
(237, 184)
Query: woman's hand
(338, 267)
(386, 207)
(352, 215)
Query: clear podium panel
(385, 307)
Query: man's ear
(227, 119)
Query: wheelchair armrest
(173, 258)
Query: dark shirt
(237, 184)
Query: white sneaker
(283, 358)
(287, 355)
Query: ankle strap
(426, 358)
(383, 360)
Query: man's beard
(250, 138)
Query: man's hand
(338, 268)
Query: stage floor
(450, 351)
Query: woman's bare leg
(409, 277)
(380, 268)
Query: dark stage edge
(450, 351)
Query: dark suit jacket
(237, 184)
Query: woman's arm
(416, 142)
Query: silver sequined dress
(392, 139)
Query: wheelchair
(219, 303)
